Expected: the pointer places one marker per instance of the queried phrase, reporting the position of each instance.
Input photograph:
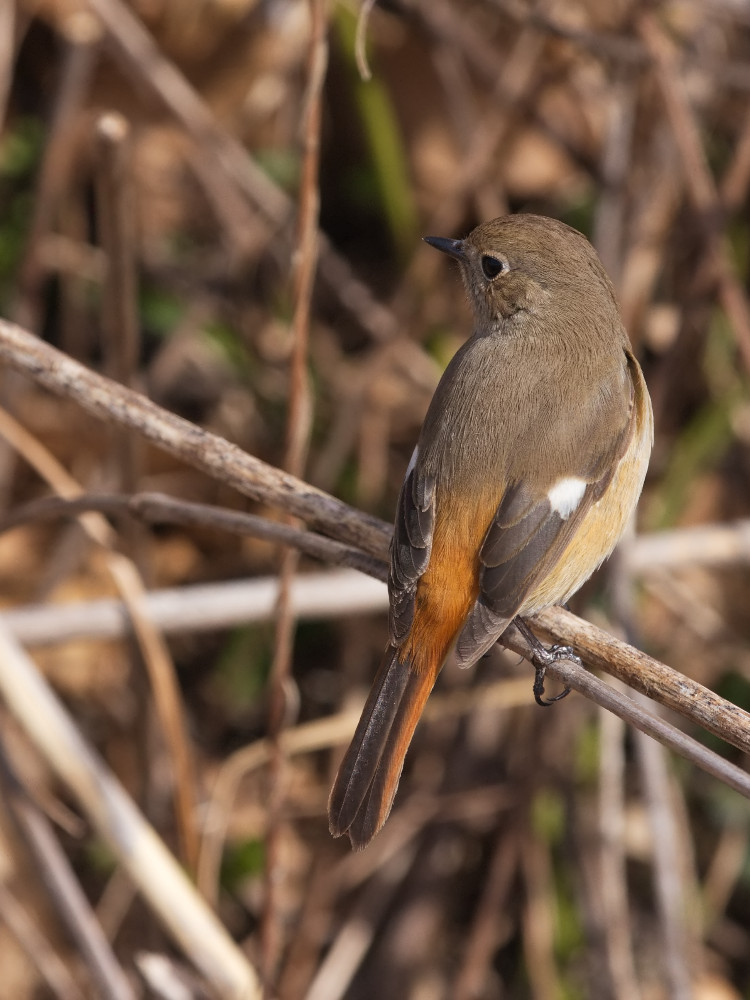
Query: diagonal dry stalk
(64, 889)
(218, 458)
(153, 869)
(150, 642)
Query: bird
(528, 466)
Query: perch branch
(602, 651)
(159, 508)
(228, 464)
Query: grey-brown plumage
(529, 463)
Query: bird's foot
(541, 658)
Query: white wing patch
(566, 494)
(412, 462)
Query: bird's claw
(541, 659)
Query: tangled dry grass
(213, 205)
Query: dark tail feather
(367, 780)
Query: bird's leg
(541, 658)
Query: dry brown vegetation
(211, 204)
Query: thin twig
(343, 959)
(119, 306)
(574, 676)
(538, 920)
(714, 545)
(511, 84)
(222, 605)
(486, 927)
(299, 424)
(617, 47)
(736, 178)
(121, 348)
(116, 223)
(158, 508)
(609, 222)
(57, 164)
(610, 862)
(669, 883)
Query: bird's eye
(491, 266)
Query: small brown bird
(529, 464)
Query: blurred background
(531, 854)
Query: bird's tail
(367, 780)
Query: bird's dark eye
(492, 266)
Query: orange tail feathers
(367, 780)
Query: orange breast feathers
(449, 586)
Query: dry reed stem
(619, 48)
(118, 822)
(121, 349)
(120, 331)
(115, 208)
(610, 878)
(153, 647)
(538, 917)
(63, 886)
(35, 945)
(360, 42)
(736, 178)
(7, 44)
(167, 979)
(199, 608)
(353, 941)
(669, 884)
(479, 949)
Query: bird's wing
(528, 534)
(410, 548)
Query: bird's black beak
(454, 248)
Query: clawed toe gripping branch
(541, 659)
